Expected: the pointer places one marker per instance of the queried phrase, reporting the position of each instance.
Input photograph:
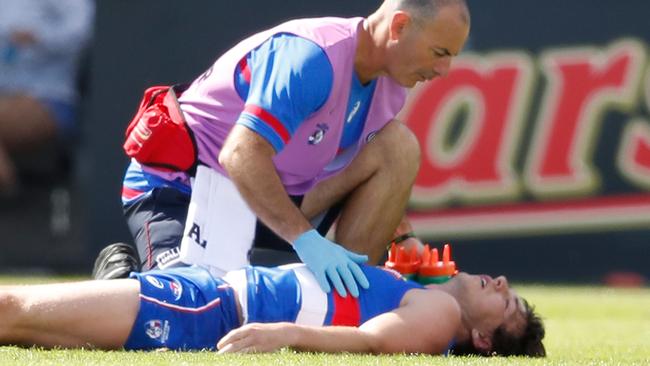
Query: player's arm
(425, 323)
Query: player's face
(421, 52)
(490, 303)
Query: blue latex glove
(330, 260)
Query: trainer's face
(489, 303)
(420, 52)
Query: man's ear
(398, 24)
(481, 341)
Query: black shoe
(116, 261)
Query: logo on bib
(371, 136)
(318, 135)
(354, 111)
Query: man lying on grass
(264, 309)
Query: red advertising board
(490, 166)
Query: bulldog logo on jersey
(157, 329)
(318, 135)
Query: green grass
(585, 326)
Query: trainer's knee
(399, 148)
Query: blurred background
(536, 147)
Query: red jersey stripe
(129, 193)
(346, 310)
(267, 117)
(245, 70)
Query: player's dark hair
(529, 343)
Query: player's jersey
(188, 309)
(291, 293)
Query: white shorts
(220, 226)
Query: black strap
(403, 237)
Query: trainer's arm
(426, 323)
(247, 158)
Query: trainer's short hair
(529, 343)
(424, 10)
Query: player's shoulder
(433, 318)
(429, 298)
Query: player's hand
(328, 260)
(256, 337)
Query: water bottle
(406, 263)
(425, 269)
(435, 271)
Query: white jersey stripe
(237, 280)
(313, 306)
